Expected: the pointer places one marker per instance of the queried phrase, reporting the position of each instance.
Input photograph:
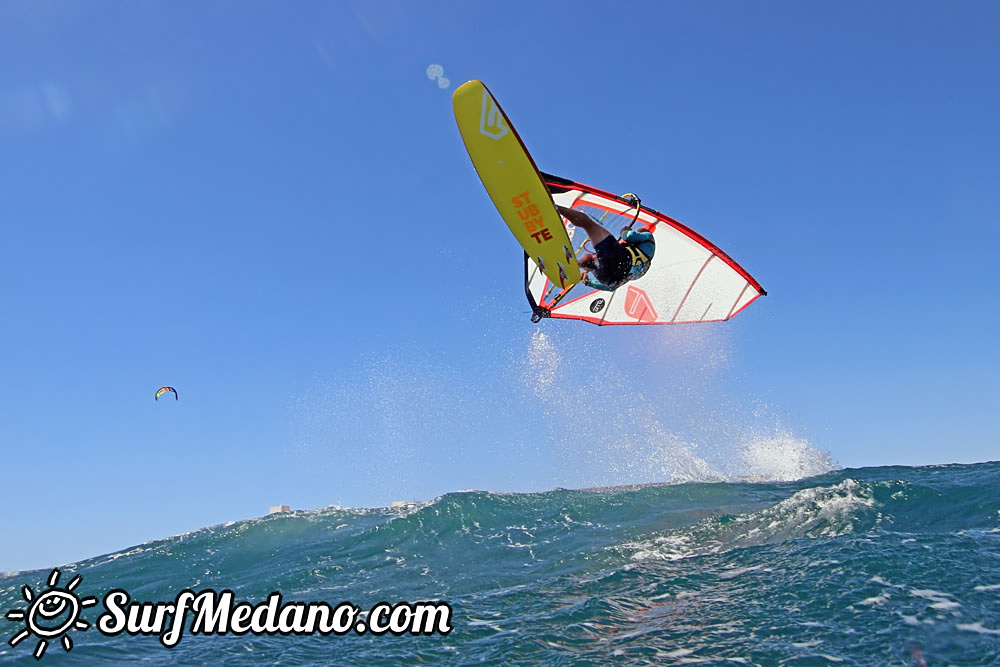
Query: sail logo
(639, 305)
(491, 120)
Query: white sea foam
(734, 573)
(939, 601)
(825, 511)
(929, 594)
(875, 601)
(977, 627)
(485, 623)
(679, 653)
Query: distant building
(278, 509)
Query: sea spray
(615, 424)
(561, 406)
(782, 456)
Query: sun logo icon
(51, 614)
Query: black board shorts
(613, 262)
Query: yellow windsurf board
(512, 180)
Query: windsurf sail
(690, 279)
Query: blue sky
(268, 206)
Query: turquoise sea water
(878, 566)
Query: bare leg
(586, 223)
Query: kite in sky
(162, 390)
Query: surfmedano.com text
(219, 614)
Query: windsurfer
(613, 262)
